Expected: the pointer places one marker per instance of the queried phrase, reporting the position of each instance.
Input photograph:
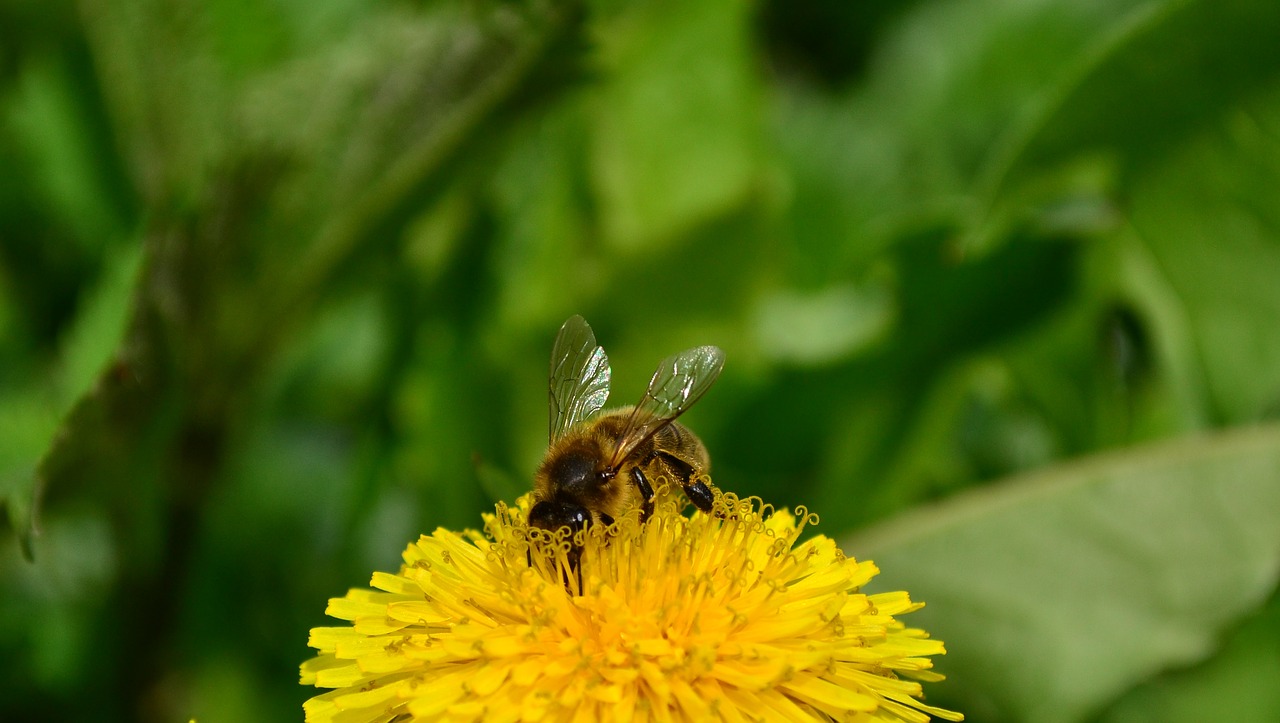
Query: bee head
(553, 514)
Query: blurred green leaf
(49, 596)
(1237, 684)
(29, 426)
(165, 90)
(318, 181)
(905, 151)
(49, 116)
(499, 484)
(1207, 215)
(819, 328)
(541, 202)
(1057, 592)
(675, 120)
(1164, 75)
(896, 413)
(413, 106)
(96, 332)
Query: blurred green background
(998, 282)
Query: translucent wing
(578, 384)
(680, 381)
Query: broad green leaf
(1238, 684)
(1058, 591)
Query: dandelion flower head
(717, 616)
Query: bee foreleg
(646, 492)
(697, 492)
(700, 495)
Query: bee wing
(681, 380)
(578, 384)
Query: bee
(600, 464)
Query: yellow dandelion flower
(719, 616)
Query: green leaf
(446, 81)
(54, 124)
(1058, 591)
(1208, 218)
(1119, 111)
(29, 423)
(1237, 684)
(164, 89)
(906, 149)
(824, 326)
(97, 330)
(676, 123)
(543, 237)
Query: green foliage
(1059, 590)
(278, 282)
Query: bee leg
(700, 495)
(697, 492)
(646, 493)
